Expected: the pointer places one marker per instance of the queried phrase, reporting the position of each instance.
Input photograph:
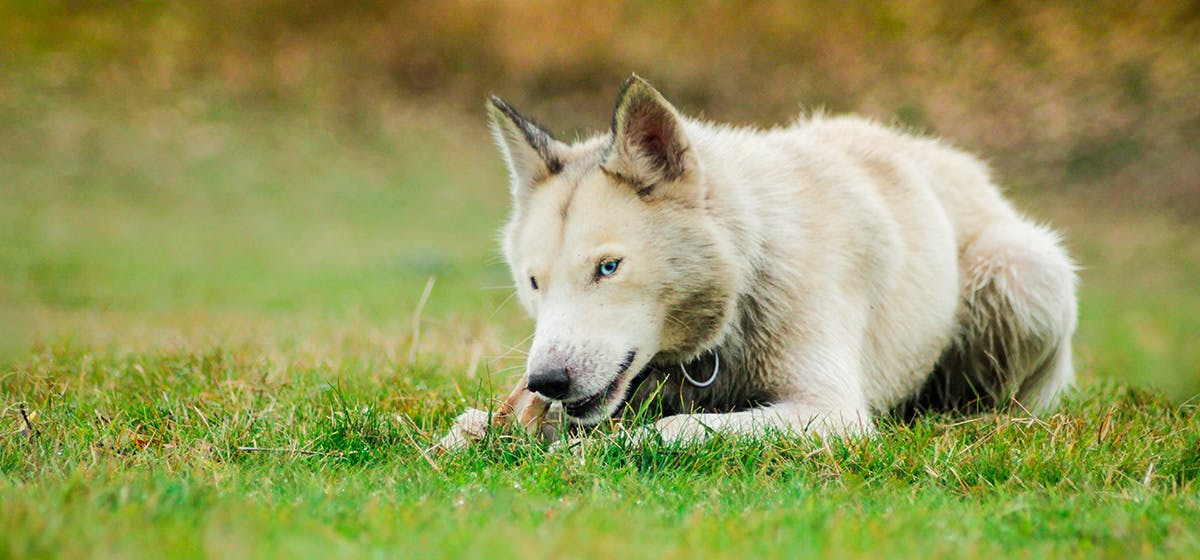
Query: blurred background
(315, 177)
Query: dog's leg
(1018, 317)
(819, 392)
(782, 418)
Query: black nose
(552, 382)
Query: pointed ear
(649, 145)
(531, 153)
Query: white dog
(804, 278)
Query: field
(231, 325)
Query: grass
(210, 317)
(140, 455)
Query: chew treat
(515, 403)
(530, 411)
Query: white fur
(833, 264)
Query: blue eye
(607, 267)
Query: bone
(530, 410)
(536, 415)
(517, 399)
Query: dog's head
(615, 250)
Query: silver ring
(697, 384)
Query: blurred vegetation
(1096, 97)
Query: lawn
(232, 330)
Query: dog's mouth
(592, 408)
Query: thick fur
(837, 269)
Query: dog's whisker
(502, 304)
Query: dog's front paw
(468, 428)
(682, 429)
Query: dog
(803, 279)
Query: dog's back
(967, 303)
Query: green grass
(139, 455)
(187, 279)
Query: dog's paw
(468, 428)
(682, 429)
(564, 445)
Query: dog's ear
(532, 153)
(649, 145)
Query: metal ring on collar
(697, 384)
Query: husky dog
(807, 278)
